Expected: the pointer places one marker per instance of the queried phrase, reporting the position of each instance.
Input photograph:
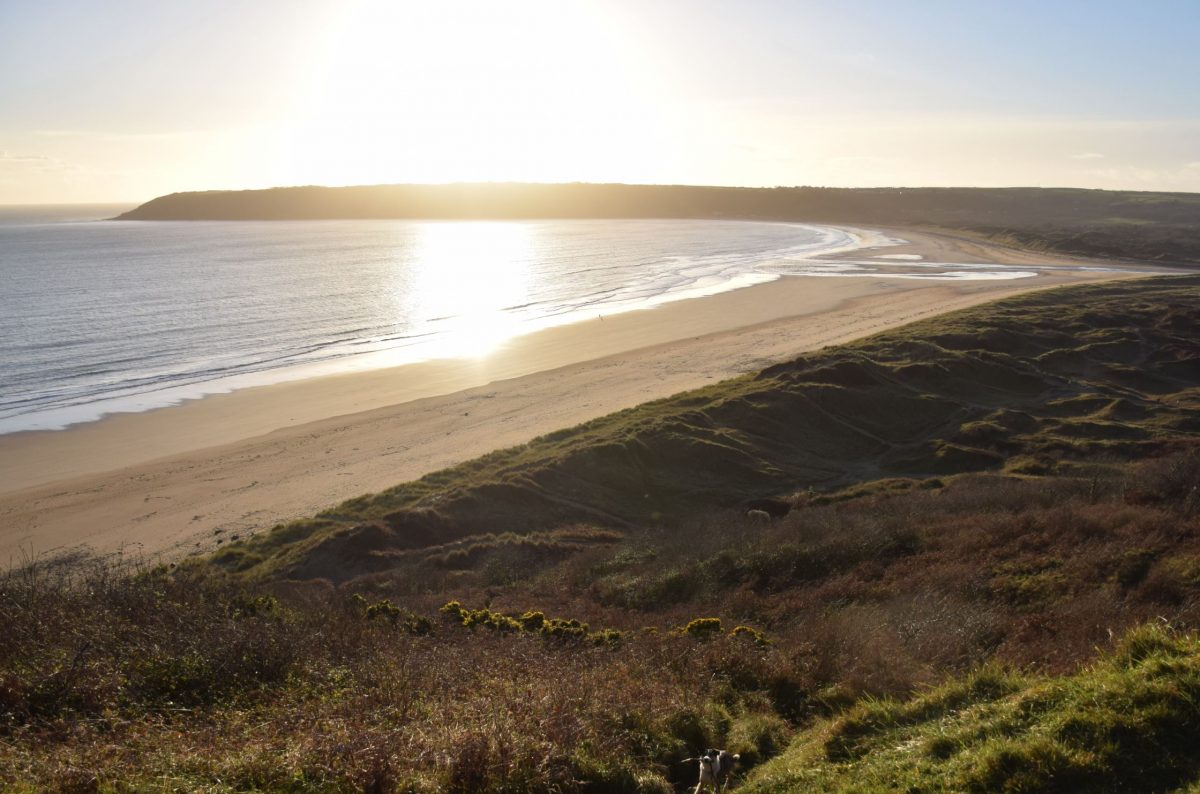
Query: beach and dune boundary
(182, 479)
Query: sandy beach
(176, 480)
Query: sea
(100, 316)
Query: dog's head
(718, 763)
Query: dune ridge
(1104, 369)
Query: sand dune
(179, 479)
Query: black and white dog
(716, 767)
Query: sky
(126, 100)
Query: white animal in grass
(716, 767)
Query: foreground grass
(117, 680)
(1130, 722)
(588, 661)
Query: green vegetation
(1126, 723)
(965, 511)
(703, 628)
(1160, 227)
(535, 623)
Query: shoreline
(180, 478)
(860, 239)
(415, 345)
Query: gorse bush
(570, 628)
(528, 622)
(409, 622)
(703, 628)
(533, 621)
(752, 635)
(607, 637)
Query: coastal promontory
(1161, 227)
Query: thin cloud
(37, 162)
(1087, 156)
(109, 135)
(8, 157)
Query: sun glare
(467, 276)
(457, 91)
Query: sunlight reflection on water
(97, 318)
(466, 276)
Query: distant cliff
(1162, 227)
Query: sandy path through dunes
(176, 479)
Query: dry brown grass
(115, 673)
(149, 678)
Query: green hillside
(1126, 723)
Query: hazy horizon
(124, 102)
(132, 204)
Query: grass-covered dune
(1161, 227)
(1109, 371)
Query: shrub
(384, 610)
(607, 637)
(530, 622)
(752, 635)
(496, 621)
(564, 629)
(246, 605)
(409, 622)
(533, 621)
(703, 628)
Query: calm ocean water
(97, 317)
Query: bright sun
(454, 91)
